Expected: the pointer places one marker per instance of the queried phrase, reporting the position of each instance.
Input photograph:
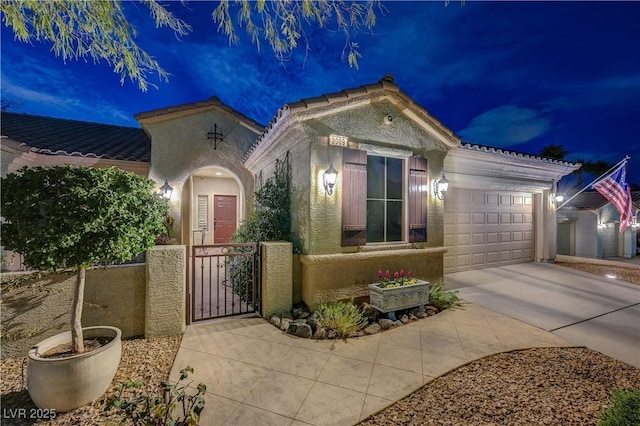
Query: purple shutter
(354, 197)
(418, 187)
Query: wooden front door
(224, 218)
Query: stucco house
(384, 211)
(589, 226)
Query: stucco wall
(41, 308)
(179, 148)
(276, 277)
(345, 276)
(586, 231)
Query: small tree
(78, 217)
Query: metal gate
(225, 280)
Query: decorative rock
(385, 323)
(299, 321)
(357, 333)
(301, 311)
(421, 314)
(300, 330)
(404, 319)
(391, 315)
(314, 323)
(284, 324)
(372, 328)
(412, 317)
(431, 310)
(275, 320)
(331, 334)
(398, 323)
(320, 333)
(369, 312)
(286, 315)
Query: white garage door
(487, 228)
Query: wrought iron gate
(225, 280)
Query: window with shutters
(384, 199)
(203, 212)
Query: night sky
(512, 75)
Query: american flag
(615, 188)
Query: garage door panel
(488, 229)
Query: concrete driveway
(586, 309)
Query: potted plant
(75, 218)
(398, 291)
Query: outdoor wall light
(329, 179)
(440, 187)
(559, 199)
(166, 190)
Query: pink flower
(402, 273)
(396, 275)
(379, 273)
(410, 274)
(387, 274)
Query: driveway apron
(600, 313)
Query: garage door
(487, 228)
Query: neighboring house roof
(385, 86)
(593, 200)
(57, 136)
(177, 111)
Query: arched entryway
(215, 203)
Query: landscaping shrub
(624, 409)
(269, 221)
(443, 299)
(342, 317)
(172, 407)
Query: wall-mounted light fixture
(329, 179)
(440, 187)
(166, 190)
(602, 225)
(215, 136)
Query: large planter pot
(63, 384)
(396, 298)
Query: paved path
(586, 309)
(257, 375)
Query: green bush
(443, 299)
(78, 217)
(624, 409)
(269, 221)
(342, 317)
(173, 407)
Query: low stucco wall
(36, 308)
(277, 277)
(344, 276)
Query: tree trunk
(77, 339)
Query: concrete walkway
(257, 375)
(586, 309)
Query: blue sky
(512, 75)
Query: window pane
(394, 220)
(375, 176)
(394, 179)
(375, 221)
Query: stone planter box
(396, 298)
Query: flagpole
(625, 159)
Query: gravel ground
(547, 386)
(630, 274)
(567, 386)
(146, 360)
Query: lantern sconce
(440, 187)
(165, 191)
(216, 136)
(329, 179)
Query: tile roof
(592, 200)
(56, 136)
(483, 148)
(214, 101)
(386, 84)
